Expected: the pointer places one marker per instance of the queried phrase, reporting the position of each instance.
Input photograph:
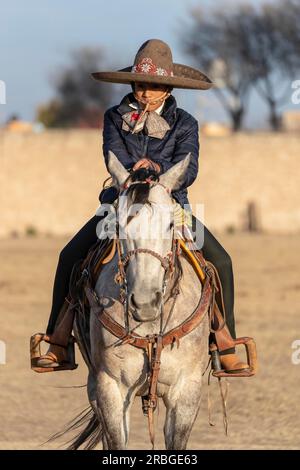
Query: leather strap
(142, 342)
(155, 362)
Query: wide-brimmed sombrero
(153, 63)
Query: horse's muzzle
(145, 311)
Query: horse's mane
(138, 192)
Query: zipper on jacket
(145, 146)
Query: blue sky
(37, 35)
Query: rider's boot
(61, 349)
(232, 364)
(230, 361)
(54, 357)
(225, 344)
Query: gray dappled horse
(118, 371)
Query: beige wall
(51, 181)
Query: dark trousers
(78, 247)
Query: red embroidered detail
(134, 117)
(146, 66)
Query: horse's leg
(182, 408)
(114, 413)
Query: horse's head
(146, 231)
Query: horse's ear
(174, 177)
(116, 169)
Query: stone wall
(50, 181)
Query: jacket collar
(168, 113)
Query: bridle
(167, 261)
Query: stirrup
(35, 354)
(250, 346)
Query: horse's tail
(91, 435)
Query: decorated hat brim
(184, 77)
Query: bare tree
(80, 101)
(248, 47)
(217, 41)
(273, 56)
(286, 20)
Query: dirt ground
(263, 411)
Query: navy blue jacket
(181, 139)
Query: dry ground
(263, 411)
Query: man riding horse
(147, 130)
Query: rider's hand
(146, 163)
(143, 163)
(155, 166)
